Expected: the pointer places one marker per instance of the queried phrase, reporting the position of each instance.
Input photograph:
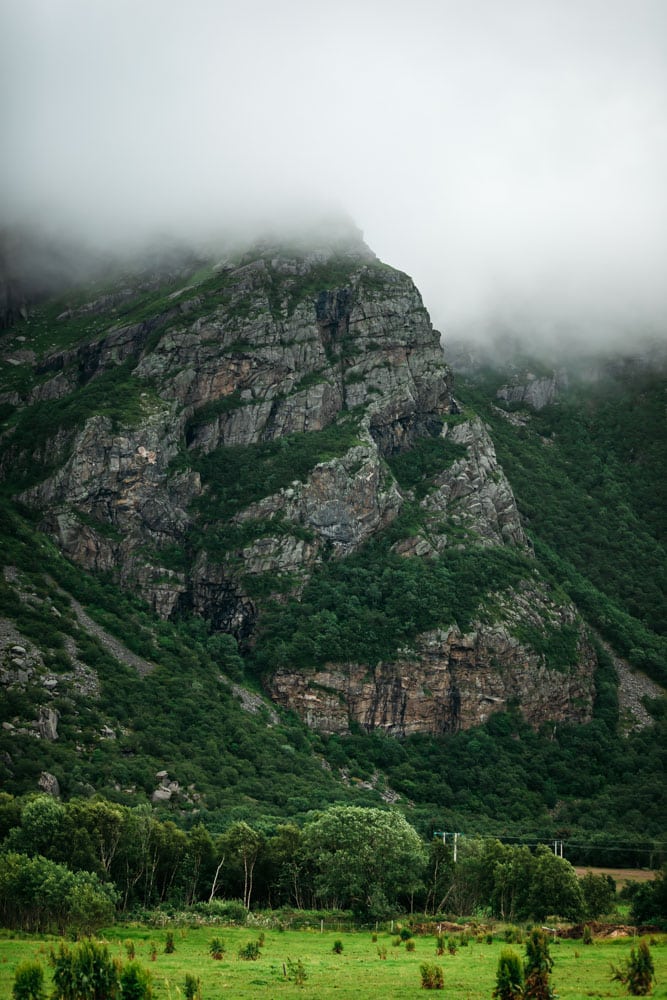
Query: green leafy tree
(364, 858)
(90, 905)
(198, 864)
(554, 887)
(512, 878)
(243, 844)
(649, 903)
(286, 868)
(509, 976)
(43, 821)
(599, 894)
(474, 875)
(40, 895)
(439, 876)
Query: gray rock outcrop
(534, 391)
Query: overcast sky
(511, 155)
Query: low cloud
(510, 156)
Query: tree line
(77, 863)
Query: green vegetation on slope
(417, 468)
(367, 607)
(588, 472)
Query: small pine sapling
(28, 981)
(537, 967)
(135, 982)
(637, 972)
(509, 976)
(296, 971)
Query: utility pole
(444, 834)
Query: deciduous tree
(364, 858)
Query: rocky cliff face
(253, 357)
(534, 391)
(242, 362)
(449, 680)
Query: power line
(555, 843)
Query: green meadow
(359, 971)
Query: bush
(637, 972)
(586, 935)
(86, 973)
(135, 982)
(337, 946)
(232, 911)
(192, 987)
(410, 945)
(216, 948)
(509, 976)
(130, 950)
(169, 946)
(432, 976)
(249, 952)
(28, 981)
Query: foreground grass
(580, 972)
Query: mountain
(261, 554)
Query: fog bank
(509, 155)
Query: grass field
(580, 972)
